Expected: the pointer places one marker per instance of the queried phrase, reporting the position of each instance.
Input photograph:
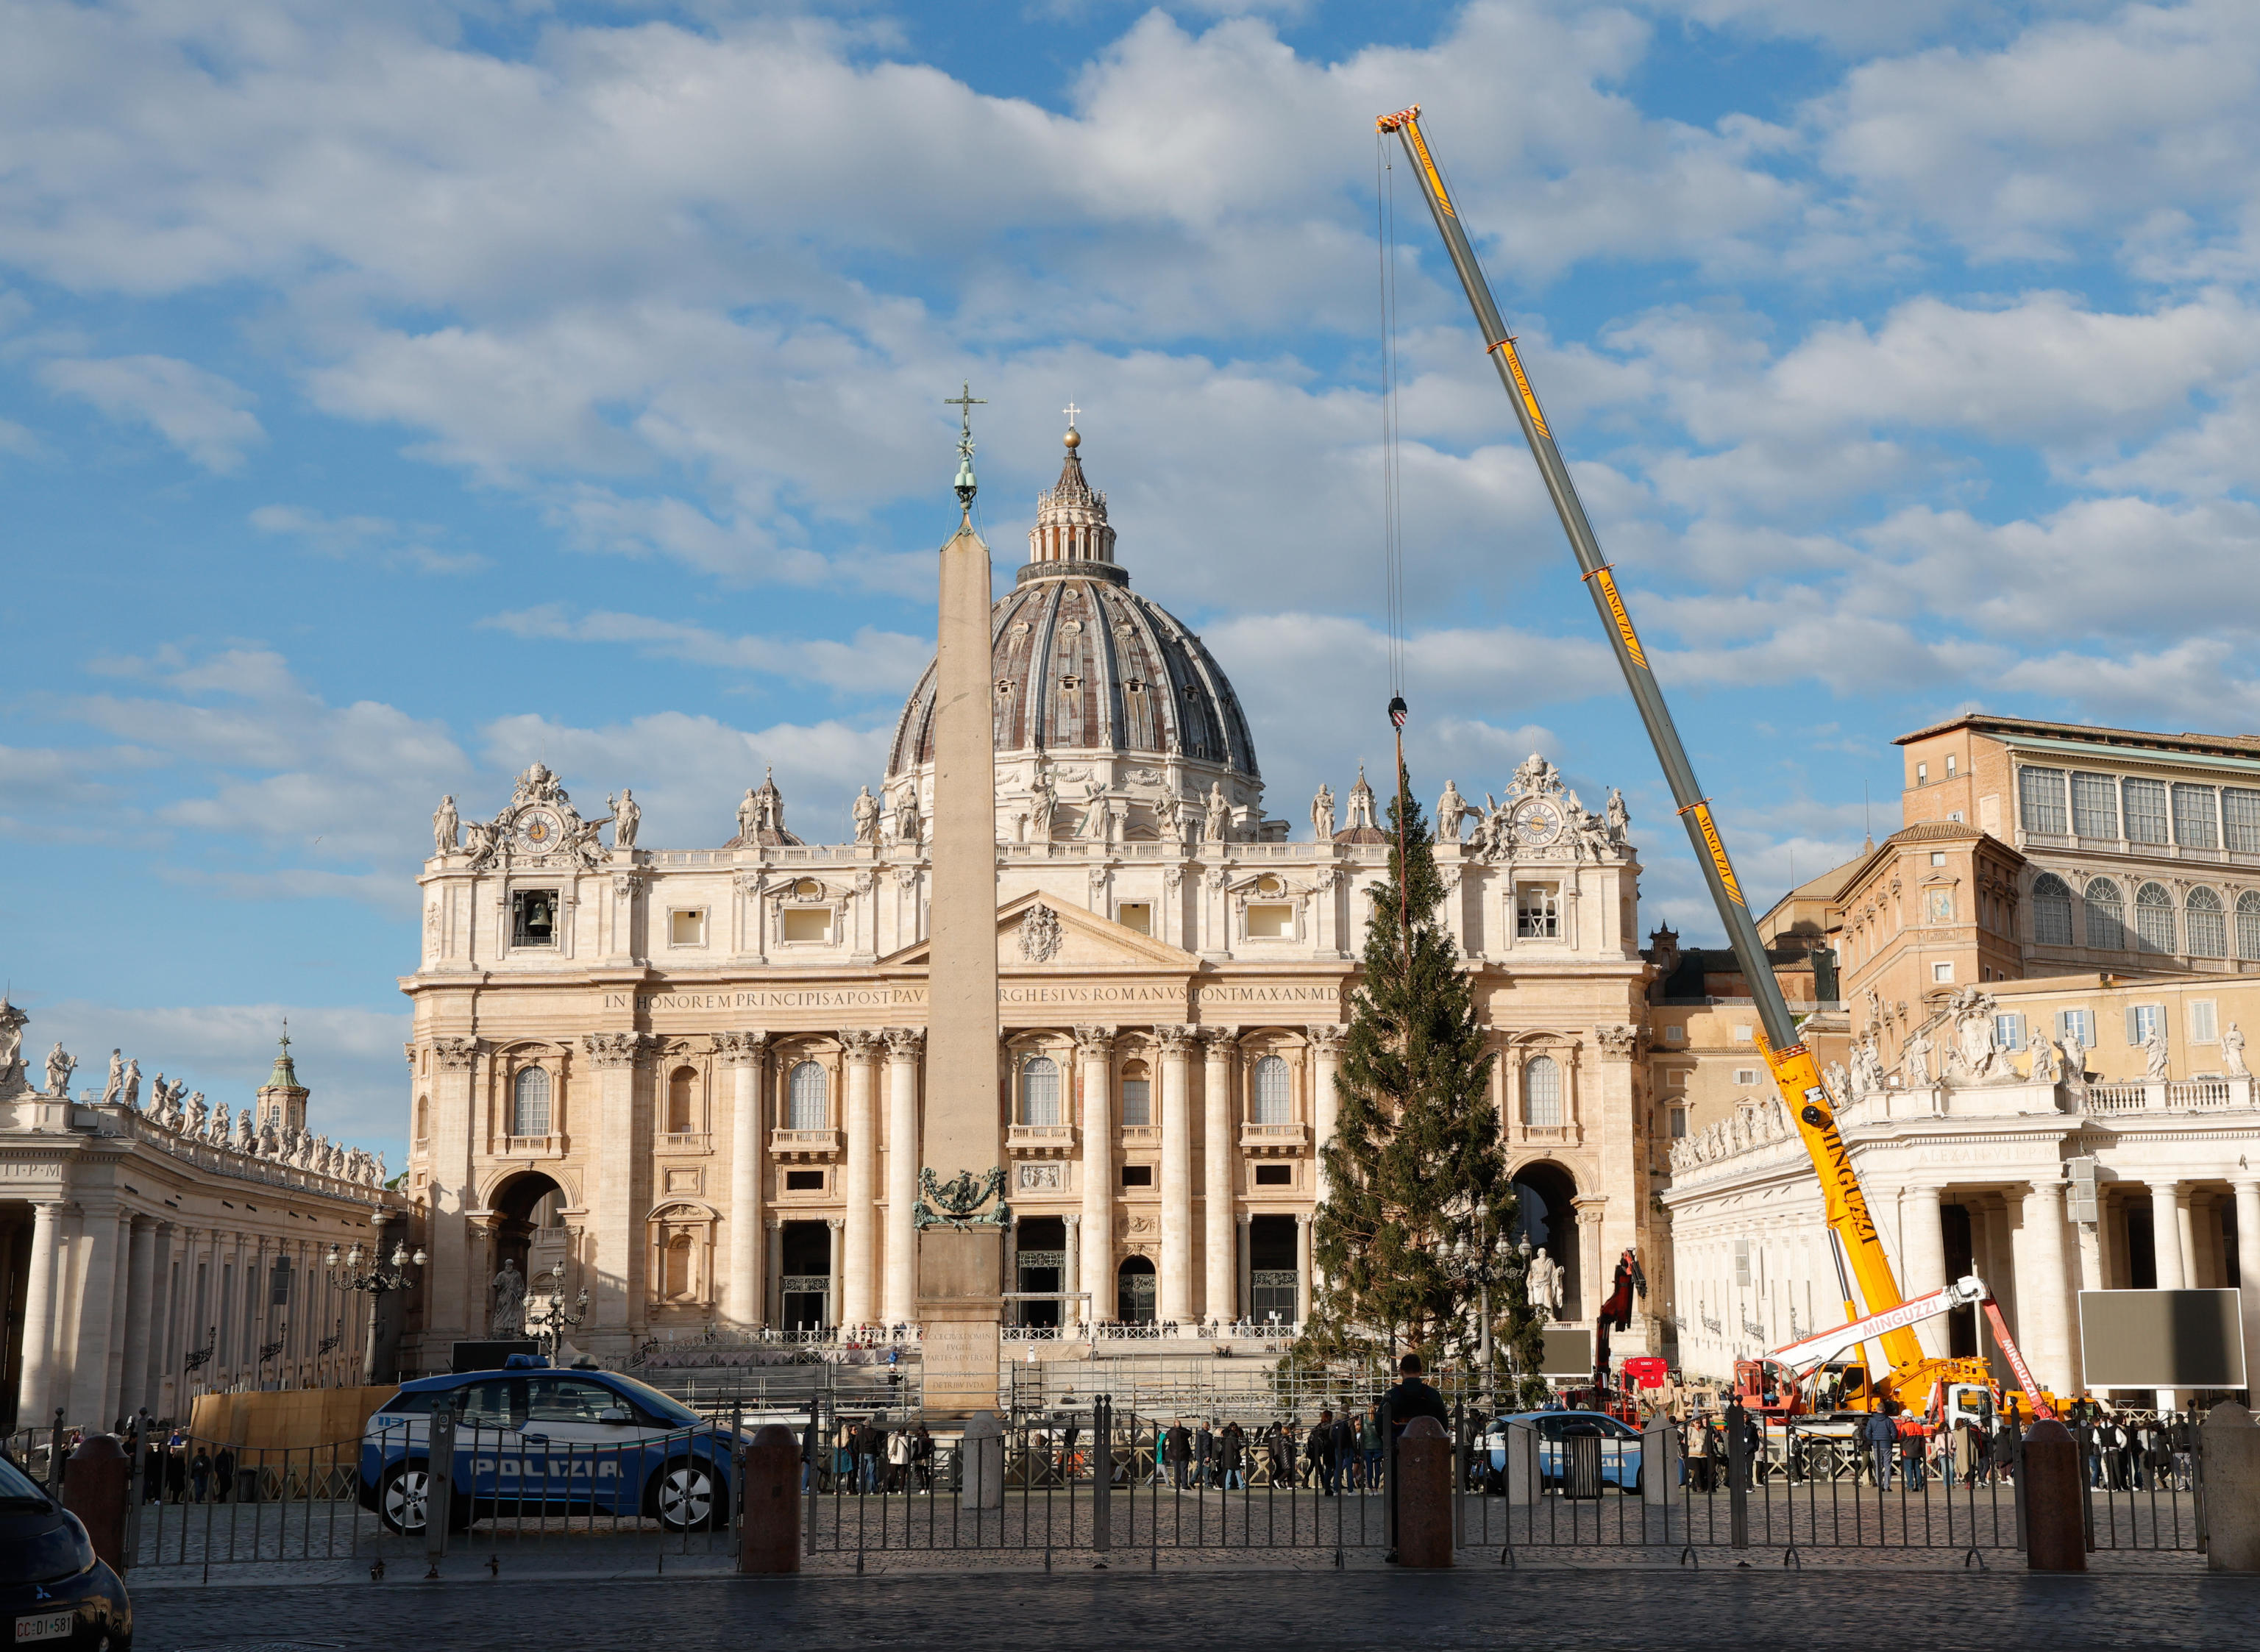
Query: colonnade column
(773, 1229)
(113, 1364)
(1592, 1268)
(614, 1222)
(31, 1402)
(833, 1250)
(1922, 1253)
(903, 1161)
(1219, 1044)
(1095, 1053)
(1302, 1268)
(448, 1290)
(1175, 1300)
(860, 1184)
(90, 1368)
(1071, 1270)
(744, 1057)
(2043, 1290)
(141, 1308)
(2169, 1210)
(170, 1285)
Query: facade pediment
(1036, 931)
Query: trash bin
(1580, 1461)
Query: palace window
(2039, 795)
(2208, 924)
(1040, 1091)
(2247, 927)
(529, 1102)
(2240, 818)
(808, 1098)
(2146, 811)
(2193, 819)
(2008, 1032)
(2107, 916)
(681, 1098)
(2052, 910)
(1538, 911)
(2204, 1023)
(533, 917)
(1274, 1101)
(2095, 805)
(687, 928)
(2142, 1019)
(1137, 1097)
(2079, 1023)
(2154, 918)
(1922, 774)
(1542, 1093)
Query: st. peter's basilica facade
(692, 1078)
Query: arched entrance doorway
(1545, 1214)
(529, 1228)
(1134, 1290)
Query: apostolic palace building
(693, 1076)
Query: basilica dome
(1101, 687)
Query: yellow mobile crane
(1914, 1377)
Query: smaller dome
(761, 817)
(1361, 828)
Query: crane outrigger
(1916, 1376)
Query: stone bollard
(768, 1536)
(981, 1463)
(1659, 1462)
(2229, 1448)
(2054, 1500)
(1424, 1495)
(95, 1489)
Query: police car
(532, 1440)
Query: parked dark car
(54, 1594)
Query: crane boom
(1795, 1071)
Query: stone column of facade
(1325, 1065)
(1176, 1286)
(2043, 1291)
(773, 1304)
(1217, 1164)
(617, 1218)
(2169, 1201)
(1302, 1268)
(1622, 1220)
(140, 1311)
(2186, 1225)
(2247, 1270)
(1246, 1252)
(113, 1365)
(745, 1057)
(1593, 1270)
(90, 1366)
(1071, 1272)
(32, 1404)
(834, 1250)
(859, 1306)
(447, 1283)
(901, 1296)
(169, 1286)
(1095, 1053)
(1922, 1256)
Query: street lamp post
(547, 1319)
(1480, 1259)
(377, 1274)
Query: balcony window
(1137, 1097)
(1270, 922)
(808, 923)
(2146, 812)
(1274, 1100)
(1542, 1093)
(808, 1098)
(1040, 1091)
(529, 1102)
(1538, 911)
(533, 917)
(2095, 805)
(1135, 914)
(2040, 798)
(2194, 817)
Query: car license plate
(45, 1625)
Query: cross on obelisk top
(965, 401)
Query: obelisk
(961, 1257)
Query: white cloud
(874, 661)
(200, 413)
(366, 539)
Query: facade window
(2240, 818)
(1745, 1035)
(2107, 916)
(2204, 1022)
(681, 1096)
(2208, 924)
(1949, 765)
(2154, 918)
(1679, 1124)
(2095, 805)
(2142, 1019)
(423, 1118)
(1135, 914)
(1674, 1034)
(1942, 972)
(2040, 799)
(676, 1285)
(1538, 911)
(1137, 1175)
(1746, 1075)
(533, 917)
(1271, 921)
(2247, 927)
(529, 1102)
(2193, 820)
(2052, 910)
(808, 923)
(1137, 1097)
(1542, 1093)
(2146, 811)
(2079, 1023)
(2008, 1032)
(808, 1097)
(1938, 857)
(1275, 1096)
(1922, 774)
(687, 928)
(1040, 1091)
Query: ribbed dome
(1084, 667)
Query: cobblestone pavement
(1612, 1607)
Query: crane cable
(1392, 533)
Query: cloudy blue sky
(391, 394)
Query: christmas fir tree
(1419, 1204)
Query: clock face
(540, 831)
(1536, 821)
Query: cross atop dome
(1071, 523)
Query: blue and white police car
(532, 1440)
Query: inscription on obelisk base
(961, 1261)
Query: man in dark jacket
(1319, 1449)
(1412, 1398)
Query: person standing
(1204, 1455)
(1234, 1446)
(1882, 1436)
(1319, 1449)
(1177, 1446)
(223, 1465)
(199, 1475)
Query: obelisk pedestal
(960, 1264)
